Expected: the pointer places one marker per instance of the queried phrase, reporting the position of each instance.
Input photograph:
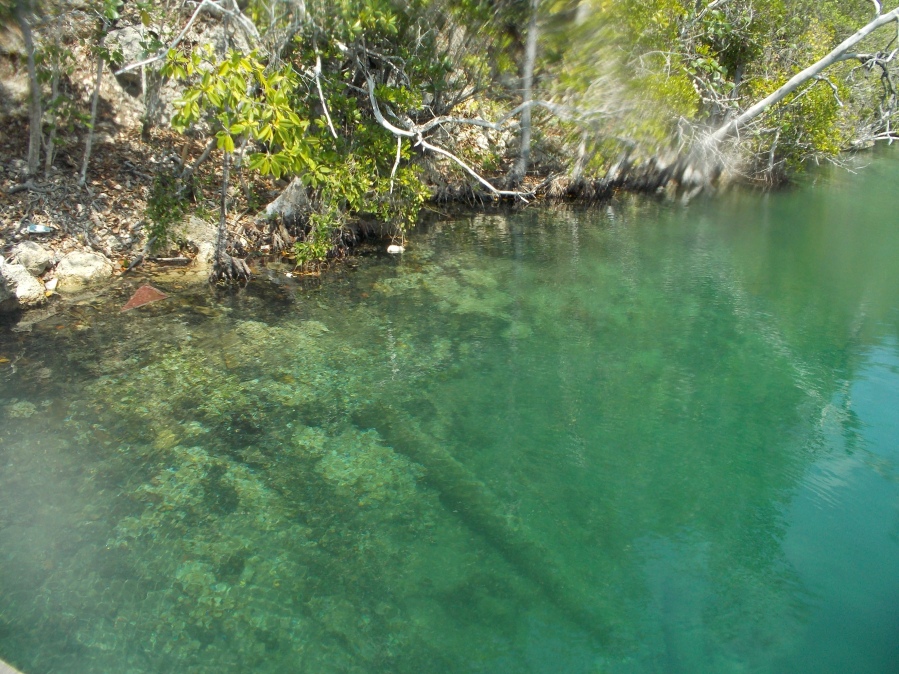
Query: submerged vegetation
(433, 464)
(376, 106)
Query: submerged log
(481, 511)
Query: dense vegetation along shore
(209, 133)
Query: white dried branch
(836, 92)
(245, 23)
(317, 72)
(396, 163)
(160, 54)
(419, 140)
(839, 53)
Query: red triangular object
(143, 295)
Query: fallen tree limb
(173, 261)
(479, 508)
(839, 53)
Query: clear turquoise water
(640, 438)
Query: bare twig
(419, 140)
(29, 185)
(317, 72)
(93, 123)
(190, 170)
(836, 92)
(214, 8)
(160, 54)
(396, 163)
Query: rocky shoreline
(33, 272)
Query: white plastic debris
(394, 249)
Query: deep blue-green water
(640, 438)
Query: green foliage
(55, 63)
(272, 117)
(165, 208)
(735, 53)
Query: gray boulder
(6, 295)
(33, 256)
(201, 234)
(156, 94)
(79, 269)
(292, 205)
(18, 288)
(131, 43)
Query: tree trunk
(527, 80)
(835, 56)
(90, 131)
(20, 11)
(226, 269)
(221, 239)
(49, 146)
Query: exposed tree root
(227, 269)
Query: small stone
(394, 249)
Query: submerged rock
(20, 409)
(80, 268)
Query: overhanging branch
(419, 140)
(840, 53)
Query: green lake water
(636, 438)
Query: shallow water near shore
(638, 438)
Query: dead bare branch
(839, 53)
(419, 140)
(317, 72)
(212, 7)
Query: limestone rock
(156, 94)
(18, 288)
(291, 206)
(6, 295)
(33, 256)
(205, 256)
(198, 231)
(132, 45)
(201, 234)
(78, 269)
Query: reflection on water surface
(635, 439)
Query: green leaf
(225, 141)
